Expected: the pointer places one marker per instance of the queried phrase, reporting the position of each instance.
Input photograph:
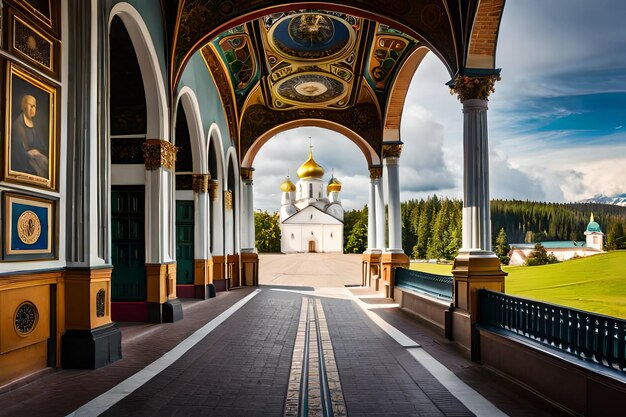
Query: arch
(369, 153)
(216, 144)
(187, 98)
(158, 125)
(484, 36)
(232, 167)
(443, 44)
(399, 90)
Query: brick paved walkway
(242, 368)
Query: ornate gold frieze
(228, 199)
(214, 186)
(200, 182)
(159, 153)
(467, 88)
(376, 172)
(392, 151)
(246, 173)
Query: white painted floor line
(105, 401)
(475, 402)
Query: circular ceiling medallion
(28, 227)
(310, 89)
(26, 317)
(311, 36)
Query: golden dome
(310, 169)
(287, 186)
(333, 185)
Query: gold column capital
(467, 88)
(159, 153)
(214, 186)
(228, 199)
(392, 150)
(376, 172)
(200, 182)
(246, 173)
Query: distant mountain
(618, 200)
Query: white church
(310, 219)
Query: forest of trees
(431, 228)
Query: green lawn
(596, 283)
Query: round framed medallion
(28, 227)
(310, 88)
(26, 317)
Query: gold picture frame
(29, 227)
(41, 9)
(31, 129)
(31, 44)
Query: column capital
(159, 153)
(467, 88)
(200, 182)
(214, 186)
(376, 172)
(392, 150)
(228, 199)
(246, 173)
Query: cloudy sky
(557, 121)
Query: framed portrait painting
(31, 129)
(29, 227)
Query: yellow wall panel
(10, 300)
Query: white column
(202, 232)
(476, 205)
(217, 237)
(380, 214)
(159, 246)
(248, 241)
(371, 216)
(391, 165)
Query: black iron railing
(435, 285)
(589, 336)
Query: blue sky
(557, 120)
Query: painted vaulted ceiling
(348, 63)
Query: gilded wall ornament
(100, 302)
(159, 154)
(376, 172)
(28, 227)
(392, 151)
(468, 88)
(26, 317)
(228, 199)
(200, 182)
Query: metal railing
(589, 336)
(439, 286)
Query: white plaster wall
(333, 238)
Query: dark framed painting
(29, 227)
(31, 129)
(28, 42)
(41, 9)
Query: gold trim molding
(376, 172)
(468, 88)
(159, 153)
(246, 173)
(392, 151)
(200, 182)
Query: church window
(331, 234)
(292, 236)
(310, 190)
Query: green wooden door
(128, 280)
(184, 242)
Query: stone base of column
(163, 306)
(371, 268)
(203, 276)
(218, 273)
(91, 349)
(232, 270)
(472, 270)
(250, 268)
(390, 261)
